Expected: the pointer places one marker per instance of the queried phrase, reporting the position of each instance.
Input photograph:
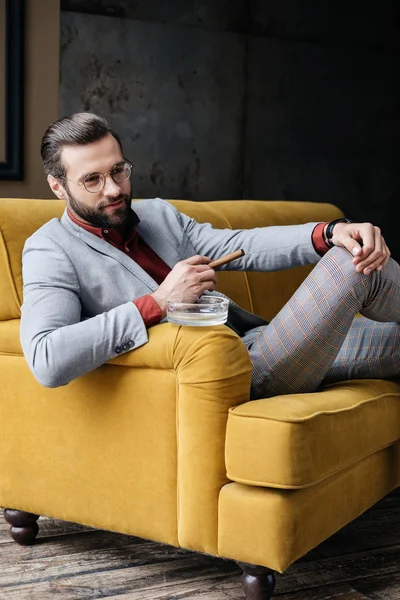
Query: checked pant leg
(296, 351)
(370, 350)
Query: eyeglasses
(94, 182)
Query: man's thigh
(370, 350)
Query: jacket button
(131, 343)
(125, 347)
(118, 350)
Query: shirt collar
(99, 231)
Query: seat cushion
(297, 440)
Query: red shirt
(133, 245)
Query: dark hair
(74, 130)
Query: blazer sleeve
(58, 345)
(266, 248)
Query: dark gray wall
(224, 99)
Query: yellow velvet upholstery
(162, 442)
(276, 527)
(342, 415)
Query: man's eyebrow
(82, 177)
(117, 164)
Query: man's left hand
(365, 242)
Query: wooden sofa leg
(24, 527)
(258, 582)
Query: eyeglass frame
(103, 175)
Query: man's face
(111, 206)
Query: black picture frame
(12, 168)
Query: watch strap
(330, 227)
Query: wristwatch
(329, 229)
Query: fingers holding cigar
(224, 260)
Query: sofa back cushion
(19, 218)
(262, 293)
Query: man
(97, 279)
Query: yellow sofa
(162, 442)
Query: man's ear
(56, 187)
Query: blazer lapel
(158, 242)
(108, 249)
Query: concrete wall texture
(226, 99)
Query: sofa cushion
(297, 440)
(15, 228)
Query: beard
(98, 217)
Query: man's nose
(110, 187)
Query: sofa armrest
(137, 445)
(170, 346)
(213, 373)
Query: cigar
(226, 259)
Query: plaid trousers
(315, 338)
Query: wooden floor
(70, 562)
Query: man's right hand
(187, 281)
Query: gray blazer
(77, 310)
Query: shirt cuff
(149, 310)
(318, 240)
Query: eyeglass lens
(120, 173)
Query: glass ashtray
(207, 310)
